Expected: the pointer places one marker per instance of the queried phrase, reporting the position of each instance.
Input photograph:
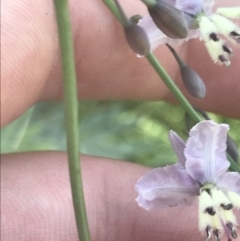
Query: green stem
(181, 98)
(71, 116)
(234, 166)
(114, 9)
(170, 83)
(173, 87)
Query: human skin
(36, 202)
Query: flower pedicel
(199, 174)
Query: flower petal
(178, 145)
(229, 181)
(157, 37)
(233, 12)
(205, 151)
(167, 186)
(193, 7)
(207, 6)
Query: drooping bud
(191, 80)
(168, 18)
(135, 35)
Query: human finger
(36, 202)
(106, 67)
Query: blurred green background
(128, 130)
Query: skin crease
(31, 73)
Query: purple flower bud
(137, 39)
(168, 18)
(191, 80)
(135, 35)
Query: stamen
(227, 207)
(209, 233)
(210, 211)
(216, 235)
(224, 60)
(216, 223)
(208, 29)
(235, 35)
(232, 230)
(208, 191)
(217, 53)
(214, 37)
(205, 203)
(227, 49)
(233, 12)
(234, 198)
(226, 26)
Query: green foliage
(127, 130)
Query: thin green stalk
(234, 166)
(170, 84)
(21, 134)
(114, 9)
(71, 116)
(173, 87)
(181, 98)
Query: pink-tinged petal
(178, 145)
(207, 6)
(229, 181)
(157, 37)
(205, 151)
(167, 186)
(192, 7)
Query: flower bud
(137, 39)
(168, 18)
(191, 80)
(135, 35)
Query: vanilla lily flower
(203, 24)
(200, 174)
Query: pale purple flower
(199, 175)
(204, 24)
